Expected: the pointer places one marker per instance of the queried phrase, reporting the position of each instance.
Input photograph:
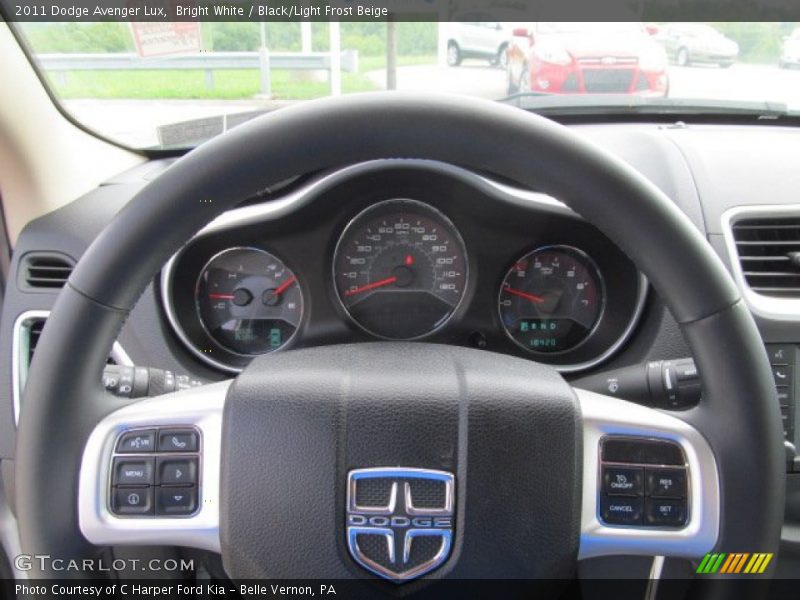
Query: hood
(598, 45)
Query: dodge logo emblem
(400, 520)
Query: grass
(228, 85)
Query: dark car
(691, 43)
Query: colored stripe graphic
(734, 563)
(728, 565)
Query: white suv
(476, 39)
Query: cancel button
(620, 510)
(622, 481)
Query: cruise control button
(665, 513)
(177, 440)
(134, 442)
(177, 471)
(133, 471)
(666, 483)
(622, 481)
(176, 501)
(616, 510)
(132, 501)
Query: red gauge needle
(284, 286)
(221, 296)
(371, 286)
(521, 294)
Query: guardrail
(61, 64)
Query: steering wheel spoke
(650, 482)
(150, 472)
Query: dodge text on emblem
(400, 520)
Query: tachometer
(248, 301)
(551, 299)
(400, 269)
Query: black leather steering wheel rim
(63, 399)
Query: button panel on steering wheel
(643, 483)
(156, 472)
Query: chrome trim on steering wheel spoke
(200, 408)
(606, 416)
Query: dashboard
(403, 250)
(406, 249)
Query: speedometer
(400, 269)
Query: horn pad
(303, 430)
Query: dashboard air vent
(27, 332)
(769, 254)
(46, 270)
(34, 330)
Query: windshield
(174, 85)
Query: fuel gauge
(249, 301)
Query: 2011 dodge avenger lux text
(318, 308)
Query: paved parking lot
(136, 121)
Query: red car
(587, 58)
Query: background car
(690, 43)
(476, 39)
(586, 58)
(790, 51)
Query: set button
(662, 512)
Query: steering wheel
(392, 460)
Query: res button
(666, 483)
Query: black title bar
(399, 10)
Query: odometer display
(248, 301)
(551, 299)
(400, 269)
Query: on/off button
(623, 481)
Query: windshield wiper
(621, 104)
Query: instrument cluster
(480, 269)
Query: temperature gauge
(248, 301)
